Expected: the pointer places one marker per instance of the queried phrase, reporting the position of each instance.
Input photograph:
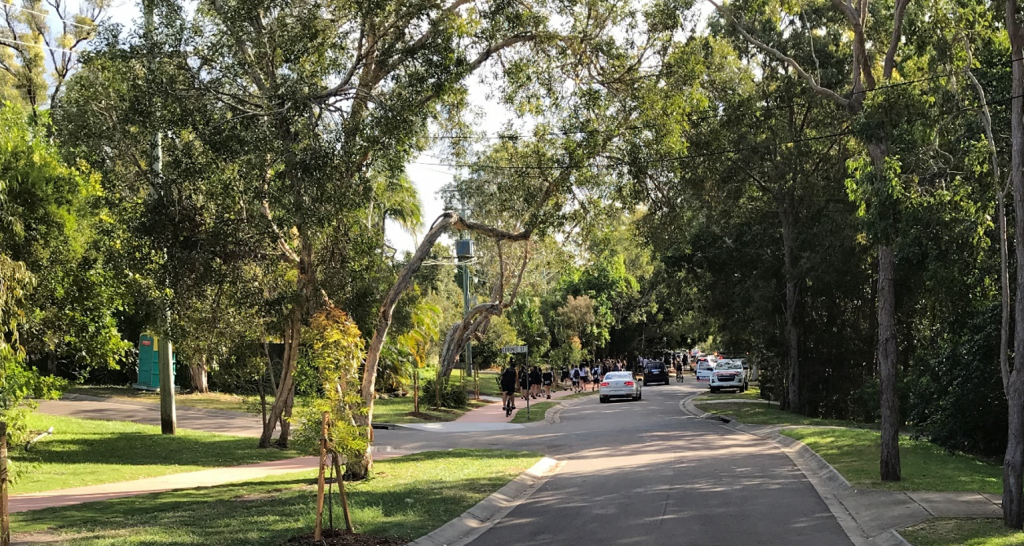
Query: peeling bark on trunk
(889, 462)
(200, 370)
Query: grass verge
(209, 400)
(406, 498)
(537, 411)
(579, 395)
(753, 393)
(89, 452)
(763, 414)
(925, 466)
(962, 532)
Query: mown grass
(400, 410)
(407, 497)
(210, 400)
(764, 414)
(89, 452)
(925, 466)
(753, 393)
(537, 411)
(962, 532)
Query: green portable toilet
(149, 363)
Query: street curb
(488, 512)
(738, 401)
(889, 538)
(828, 483)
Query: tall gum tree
(865, 77)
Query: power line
(68, 21)
(692, 119)
(10, 41)
(681, 157)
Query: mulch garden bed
(343, 538)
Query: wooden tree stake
(318, 530)
(341, 491)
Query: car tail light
(605, 384)
(629, 383)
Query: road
(645, 473)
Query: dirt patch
(424, 416)
(342, 538)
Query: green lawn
(962, 532)
(753, 393)
(400, 410)
(763, 414)
(88, 452)
(579, 395)
(488, 382)
(537, 411)
(926, 467)
(406, 498)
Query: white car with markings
(729, 374)
(619, 385)
(706, 367)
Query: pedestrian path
(172, 482)
(492, 413)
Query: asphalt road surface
(645, 473)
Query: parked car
(729, 374)
(705, 367)
(655, 371)
(619, 385)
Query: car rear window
(618, 375)
(731, 366)
(705, 366)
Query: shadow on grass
(409, 497)
(138, 448)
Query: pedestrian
(595, 372)
(535, 382)
(524, 382)
(577, 377)
(508, 389)
(584, 377)
(547, 378)
(565, 378)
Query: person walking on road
(595, 373)
(547, 378)
(565, 379)
(524, 382)
(508, 389)
(576, 378)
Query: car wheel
(714, 390)
(744, 388)
(603, 399)
(645, 383)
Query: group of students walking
(534, 382)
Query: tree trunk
(792, 295)
(1004, 281)
(5, 512)
(199, 369)
(51, 364)
(1013, 462)
(890, 411)
(292, 336)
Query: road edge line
(488, 512)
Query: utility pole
(168, 417)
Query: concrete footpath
(171, 482)
(870, 517)
(489, 418)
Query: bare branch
(894, 40)
(825, 92)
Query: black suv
(655, 372)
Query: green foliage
(336, 349)
(442, 393)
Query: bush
(443, 394)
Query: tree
(880, 174)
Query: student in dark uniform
(508, 389)
(535, 382)
(547, 378)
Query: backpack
(575, 373)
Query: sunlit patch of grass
(962, 532)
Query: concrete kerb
(488, 512)
(825, 479)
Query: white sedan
(619, 385)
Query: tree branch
(894, 40)
(825, 92)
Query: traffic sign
(514, 349)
